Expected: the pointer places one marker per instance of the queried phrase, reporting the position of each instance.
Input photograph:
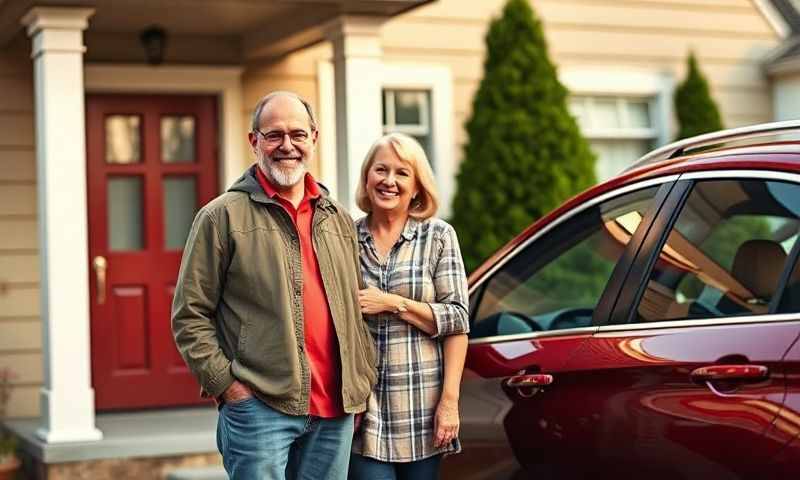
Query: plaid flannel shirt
(424, 265)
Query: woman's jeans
(365, 468)
(260, 443)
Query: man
(266, 310)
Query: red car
(648, 327)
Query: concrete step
(205, 473)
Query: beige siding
(296, 72)
(730, 38)
(20, 327)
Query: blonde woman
(416, 308)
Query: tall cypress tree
(696, 110)
(525, 153)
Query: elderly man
(266, 310)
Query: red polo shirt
(321, 345)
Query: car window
(726, 252)
(555, 282)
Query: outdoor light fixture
(154, 41)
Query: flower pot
(9, 468)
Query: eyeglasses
(275, 138)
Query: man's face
(285, 143)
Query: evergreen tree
(696, 110)
(525, 153)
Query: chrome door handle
(530, 380)
(729, 372)
(529, 384)
(100, 264)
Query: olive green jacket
(238, 307)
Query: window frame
(438, 81)
(627, 83)
(623, 318)
(608, 298)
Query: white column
(357, 58)
(67, 398)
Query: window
(726, 253)
(556, 282)
(619, 129)
(409, 112)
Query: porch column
(67, 398)
(357, 60)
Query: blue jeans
(365, 468)
(260, 443)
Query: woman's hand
(446, 422)
(374, 301)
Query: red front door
(152, 162)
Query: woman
(416, 308)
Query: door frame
(222, 82)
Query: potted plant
(9, 463)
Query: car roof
(676, 158)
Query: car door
(786, 427)
(688, 377)
(529, 314)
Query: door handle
(530, 380)
(729, 372)
(528, 385)
(100, 264)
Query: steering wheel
(527, 320)
(494, 325)
(572, 318)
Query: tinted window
(556, 281)
(726, 252)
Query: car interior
(726, 253)
(555, 282)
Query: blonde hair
(409, 151)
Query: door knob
(100, 264)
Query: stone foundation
(152, 468)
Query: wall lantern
(154, 41)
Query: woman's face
(390, 182)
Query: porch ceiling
(264, 28)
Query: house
(118, 118)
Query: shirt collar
(408, 233)
(312, 190)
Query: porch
(222, 49)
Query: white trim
(624, 82)
(357, 57)
(773, 17)
(439, 80)
(222, 81)
(67, 397)
(326, 117)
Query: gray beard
(281, 176)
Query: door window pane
(125, 231)
(180, 206)
(556, 282)
(123, 139)
(726, 253)
(177, 139)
